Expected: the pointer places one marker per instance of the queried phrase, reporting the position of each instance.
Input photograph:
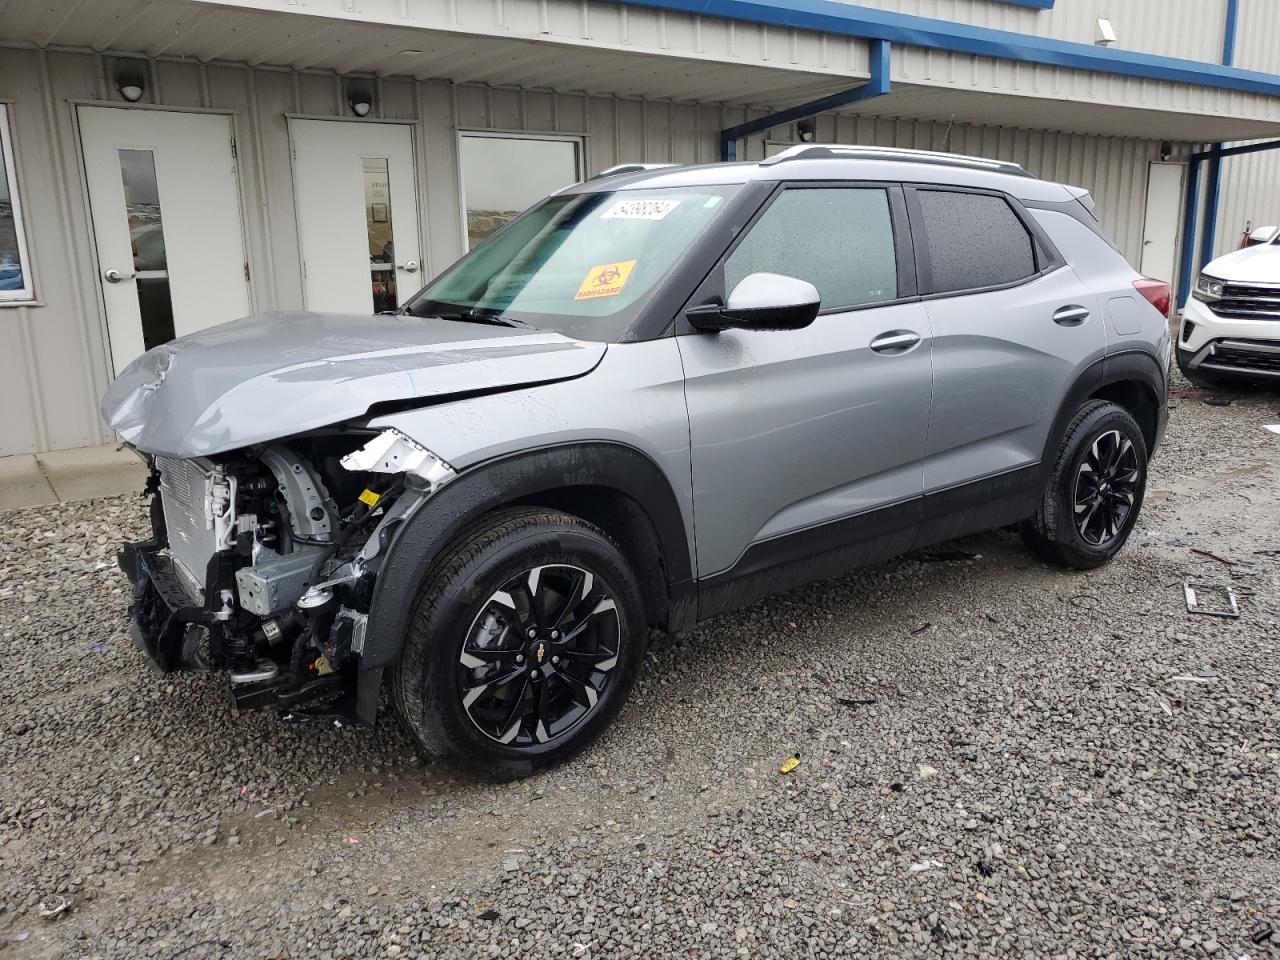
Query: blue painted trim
(1229, 35)
(1220, 151)
(849, 20)
(1187, 269)
(1034, 4)
(1209, 229)
(877, 86)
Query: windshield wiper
(471, 316)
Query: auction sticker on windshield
(640, 210)
(606, 280)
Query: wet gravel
(996, 759)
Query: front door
(1163, 220)
(357, 214)
(810, 441)
(165, 204)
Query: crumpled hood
(1257, 264)
(276, 374)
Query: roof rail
(629, 168)
(838, 151)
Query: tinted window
(840, 240)
(974, 240)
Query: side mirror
(762, 301)
(1262, 235)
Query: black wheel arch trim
(1129, 366)
(512, 479)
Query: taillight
(1158, 293)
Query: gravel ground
(996, 759)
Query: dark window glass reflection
(377, 215)
(146, 237)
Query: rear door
(1013, 326)
(807, 441)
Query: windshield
(583, 265)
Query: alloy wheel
(1106, 488)
(537, 658)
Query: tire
(472, 685)
(1084, 539)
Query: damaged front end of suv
(262, 563)
(274, 499)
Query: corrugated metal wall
(1251, 183)
(1250, 193)
(1258, 36)
(1191, 29)
(54, 365)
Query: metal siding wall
(1250, 192)
(1258, 36)
(56, 365)
(1191, 29)
(1114, 170)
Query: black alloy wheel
(526, 636)
(539, 655)
(1094, 489)
(1106, 488)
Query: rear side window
(974, 240)
(839, 239)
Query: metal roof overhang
(756, 68)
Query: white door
(1163, 220)
(357, 208)
(166, 220)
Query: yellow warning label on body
(606, 280)
(369, 498)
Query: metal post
(1187, 269)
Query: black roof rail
(837, 151)
(621, 168)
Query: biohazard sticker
(640, 210)
(606, 280)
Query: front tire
(524, 643)
(1095, 491)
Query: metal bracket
(1194, 592)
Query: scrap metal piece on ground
(1197, 594)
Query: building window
(15, 268)
(502, 176)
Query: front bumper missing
(177, 634)
(163, 612)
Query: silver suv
(658, 395)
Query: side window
(15, 272)
(974, 240)
(839, 239)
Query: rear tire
(1095, 492)
(524, 643)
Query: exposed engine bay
(262, 562)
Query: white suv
(1231, 326)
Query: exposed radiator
(193, 529)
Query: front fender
(512, 479)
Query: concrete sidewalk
(35, 480)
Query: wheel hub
(1106, 488)
(538, 655)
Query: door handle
(895, 342)
(1071, 316)
(115, 276)
(409, 267)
